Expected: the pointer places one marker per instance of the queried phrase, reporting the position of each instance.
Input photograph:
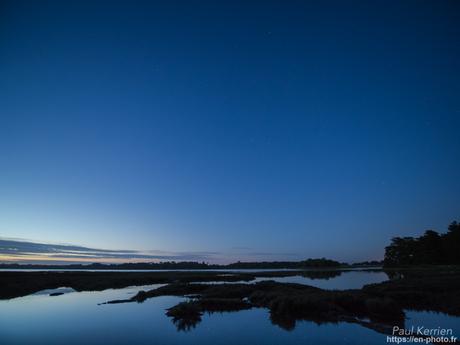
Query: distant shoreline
(199, 266)
(246, 270)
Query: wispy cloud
(17, 250)
(14, 250)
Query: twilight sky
(225, 130)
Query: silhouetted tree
(172, 265)
(429, 249)
(452, 243)
(401, 251)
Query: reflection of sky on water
(75, 318)
(346, 280)
(433, 320)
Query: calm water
(248, 270)
(76, 318)
(341, 281)
(344, 280)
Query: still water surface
(76, 318)
(341, 281)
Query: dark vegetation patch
(435, 289)
(287, 303)
(187, 315)
(187, 265)
(432, 248)
(376, 306)
(17, 284)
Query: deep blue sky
(252, 129)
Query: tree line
(432, 248)
(187, 265)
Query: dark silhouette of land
(190, 265)
(431, 248)
(430, 288)
(381, 304)
(17, 284)
(424, 274)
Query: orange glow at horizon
(31, 258)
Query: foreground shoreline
(22, 283)
(378, 306)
